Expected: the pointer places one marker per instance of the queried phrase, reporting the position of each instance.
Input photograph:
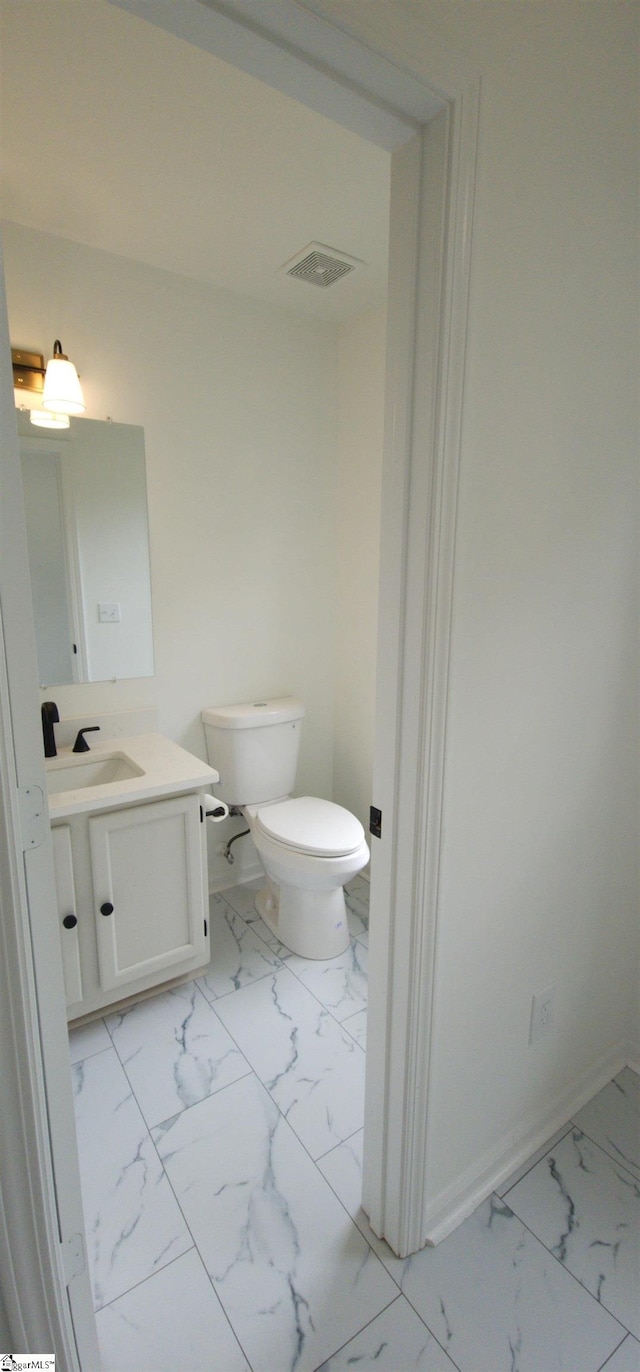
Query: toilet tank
(254, 748)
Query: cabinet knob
(70, 921)
(107, 908)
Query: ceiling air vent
(320, 265)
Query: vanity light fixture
(62, 390)
(28, 387)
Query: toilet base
(310, 923)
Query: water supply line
(227, 850)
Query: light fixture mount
(28, 371)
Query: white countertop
(167, 769)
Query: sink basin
(121, 771)
(67, 775)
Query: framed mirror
(85, 497)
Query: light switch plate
(109, 612)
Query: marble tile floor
(220, 1132)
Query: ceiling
(121, 136)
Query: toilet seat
(310, 825)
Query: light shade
(45, 419)
(62, 389)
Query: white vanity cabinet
(132, 899)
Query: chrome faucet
(50, 716)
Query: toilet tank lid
(254, 715)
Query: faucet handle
(81, 745)
(50, 716)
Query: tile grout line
(284, 962)
(327, 1183)
(534, 1162)
(617, 1348)
(401, 1291)
(188, 1227)
(501, 1200)
(400, 1296)
(250, 1072)
(177, 1115)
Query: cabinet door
(67, 910)
(148, 887)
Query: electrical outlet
(542, 1014)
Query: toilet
(309, 848)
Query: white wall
(539, 878)
(361, 405)
(238, 404)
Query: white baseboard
(463, 1196)
(250, 872)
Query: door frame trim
(47, 1296)
(413, 682)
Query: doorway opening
(390, 770)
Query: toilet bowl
(309, 848)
